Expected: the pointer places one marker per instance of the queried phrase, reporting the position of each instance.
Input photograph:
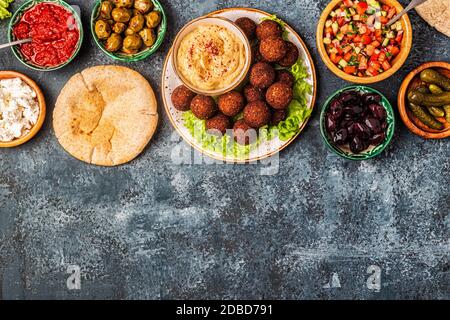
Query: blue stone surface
(155, 229)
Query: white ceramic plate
(268, 148)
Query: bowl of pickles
(424, 100)
(128, 30)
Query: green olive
(105, 10)
(132, 42)
(143, 6)
(121, 15)
(114, 42)
(137, 23)
(102, 29)
(148, 36)
(129, 32)
(119, 27)
(123, 3)
(153, 19)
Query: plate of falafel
(261, 116)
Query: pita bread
(105, 115)
(437, 14)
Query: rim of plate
(28, 5)
(286, 143)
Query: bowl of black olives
(357, 122)
(128, 30)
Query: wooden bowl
(412, 81)
(397, 62)
(41, 100)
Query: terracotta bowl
(412, 81)
(396, 63)
(41, 100)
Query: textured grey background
(154, 229)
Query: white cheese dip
(19, 109)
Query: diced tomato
(341, 21)
(366, 39)
(375, 65)
(393, 50)
(376, 44)
(386, 65)
(369, 50)
(385, 7)
(399, 37)
(335, 58)
(391, 13)
(378, 35)
(348, 3)
(357, 38)
(362, 63)
(382, 56)
(347, 48)
(350, 69)
(361, 7)
(360, 74)
(372, 72)
(348, 56)
(384, 20)
(329, 30)
(374, 57)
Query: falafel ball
(253, 93)
(286, 77)
(248, 26)
(268, 28)
(203, 107)
(291, 55)
(272, 49)
(279, 95)
(231, 103)
(218, 124)
(243, 133)
(278, 116)
(257, 114)
(262, 75)
(182, 98)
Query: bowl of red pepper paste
(56, 32)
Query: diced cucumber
(385, 42)
(352, 11)
(377, 25)
(370, 11)
(384, 13)
(378, 13)
(356, 17)
(374, 4)
(343, 63)
(335, 27)
(339, 36)
(398, 26)
(328, 23)
(332, 14)
(390, 35)
(326, 40)
(357, 50)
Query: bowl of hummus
(211, 55)
(22, 109)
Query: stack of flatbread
(105, 115)
(437, 14)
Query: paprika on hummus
(54, 34)
(211, 57)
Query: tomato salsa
(54, 34)
(357, 40)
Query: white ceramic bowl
(222, 22)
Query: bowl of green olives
(128, 30)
